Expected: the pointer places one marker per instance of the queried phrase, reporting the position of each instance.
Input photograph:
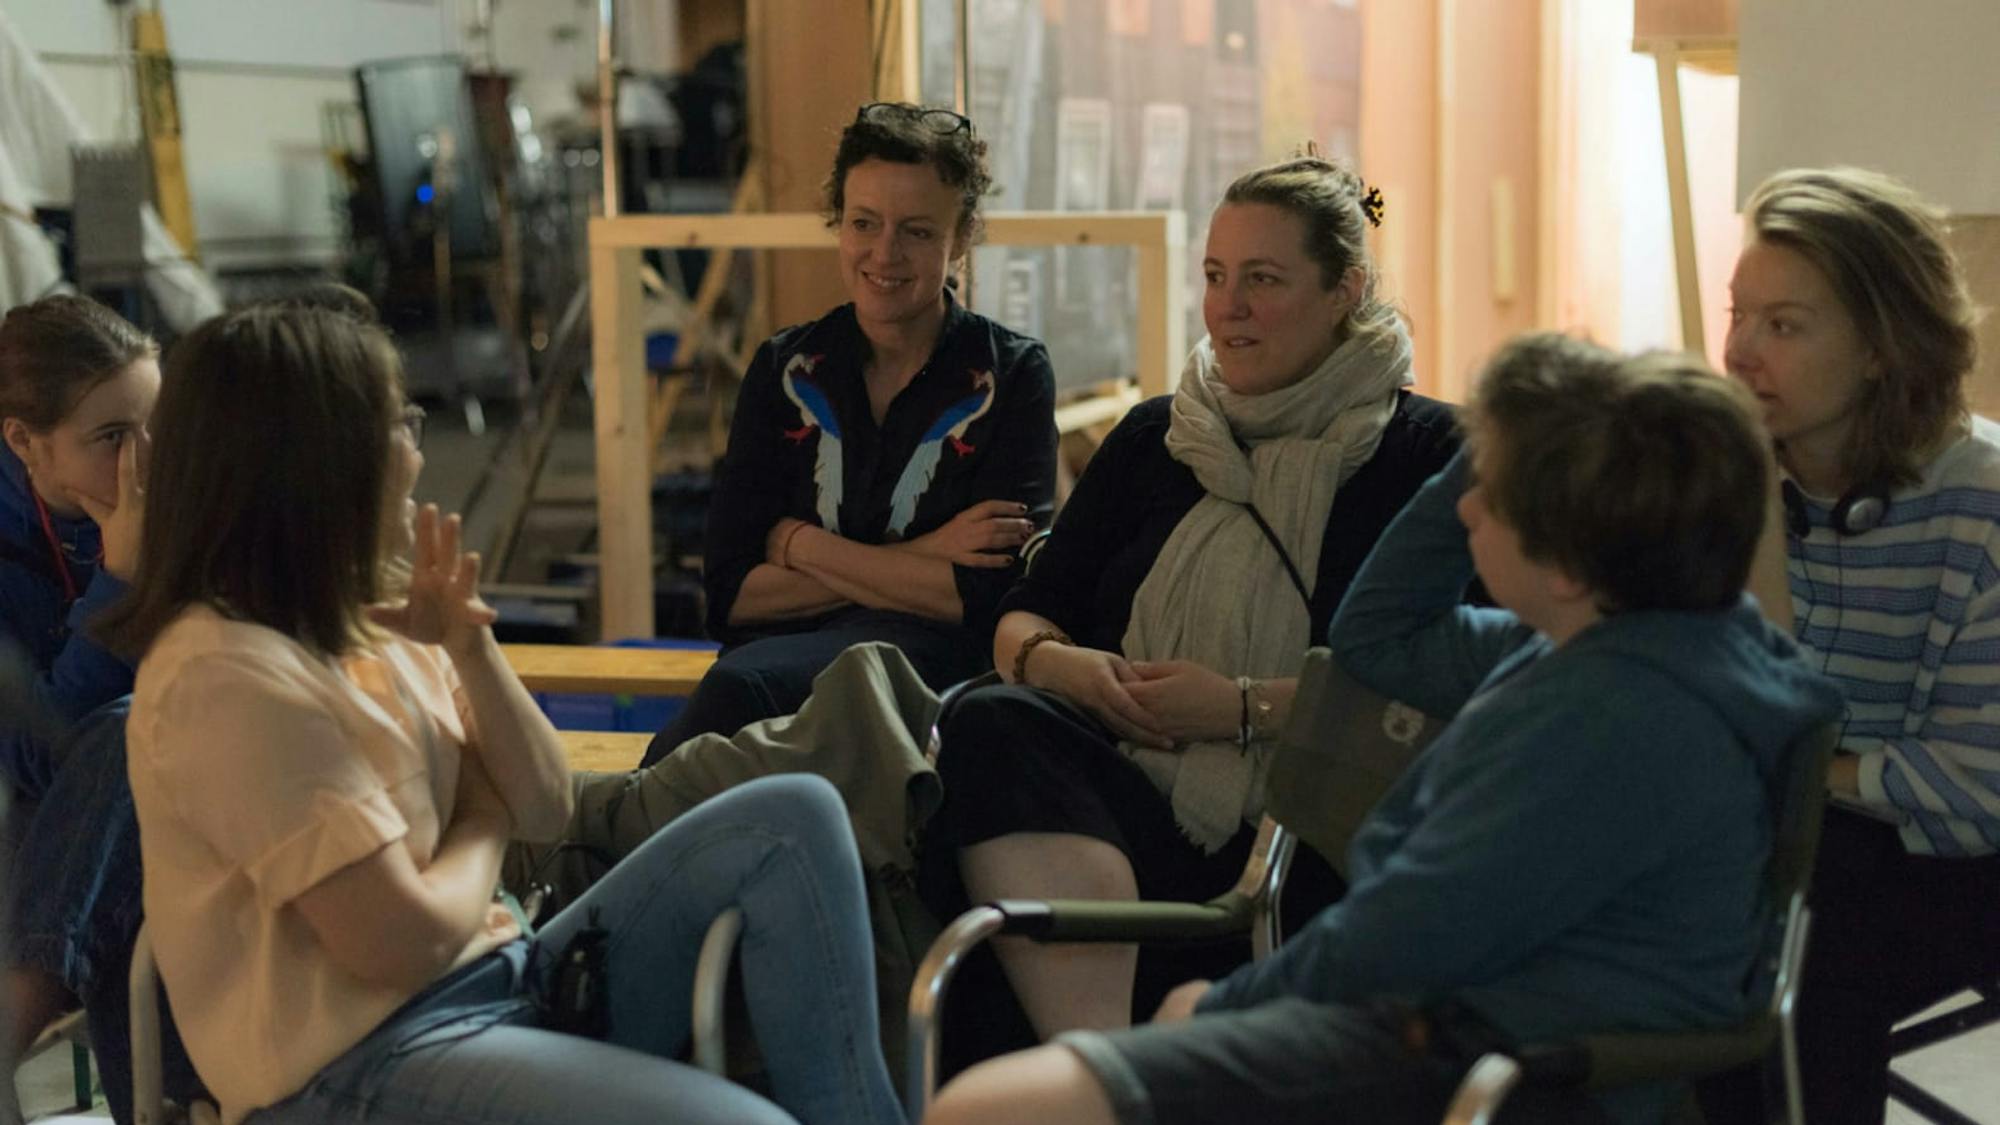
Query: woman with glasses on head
(328, 754)
(1152, 653)
(886, 460)
(1851, 323)
(76, 388)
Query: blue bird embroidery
(949, 428)
(816, 413)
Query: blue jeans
(473, 1048)
(76, 903)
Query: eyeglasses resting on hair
(943, 122)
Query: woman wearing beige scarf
(1150, 654)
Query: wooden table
(604, 750)
(608, 671)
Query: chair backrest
(1797, 799)
(1798, 803)
(1798, 806)
(147, 1084)
(1342, 748)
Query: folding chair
(148, 1097)
(1603, 1062)
(1341, 749)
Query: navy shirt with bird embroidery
(976, 423)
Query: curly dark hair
(910, 134)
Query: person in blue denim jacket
(77, 385)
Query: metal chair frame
(1393, 732)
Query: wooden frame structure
(1715, 54)
(624, 461)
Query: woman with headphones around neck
(1851, 323)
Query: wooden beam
(160, 120)
(623, 459)
(1667, 61)
(1162, 293)
(796, 230)
(624, 464)
(599, 670)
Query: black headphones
(1859, 510)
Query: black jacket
(1133, 495)
(977, 423)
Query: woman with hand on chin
(886, 460)
(1151, 653)
(77, 385)
(325, 783)
(1851, 323)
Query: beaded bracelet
(1263, 714)
(1028, 646)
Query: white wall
(1909, 88)
(254, 78)
(296, 33)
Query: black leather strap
(1291, 568)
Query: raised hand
(122, 525)
(984, 535)
(443, 606)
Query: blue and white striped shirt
(1906, 617)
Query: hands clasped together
(1162, 703)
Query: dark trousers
(1291, 1062)
(1892, 934)
(772, 676)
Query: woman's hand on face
(1191, 703)
(1099, 682)
(984, 535)
(444, 607)
(122, 526)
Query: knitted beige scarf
(1218, 593)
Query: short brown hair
(1326, 198)
(1882, 248)
(897, 132)
(265, 490)
(1642, 477)
(54, 351)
